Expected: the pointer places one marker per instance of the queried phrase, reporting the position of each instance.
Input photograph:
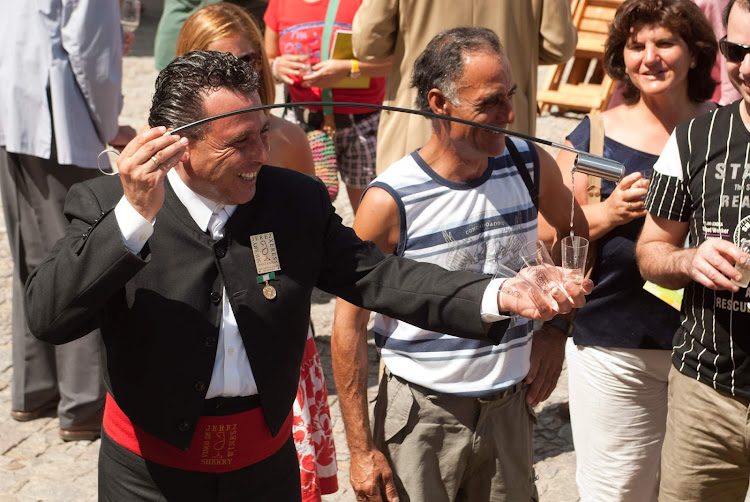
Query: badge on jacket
(266, 261)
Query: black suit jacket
(159, 313)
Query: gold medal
(269, 292)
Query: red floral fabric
(313, 436)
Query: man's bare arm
(370, 475)
(548, 344)
(555, 198)
(663, 260)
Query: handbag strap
(523, 171)
(596, 147)
(325, 50)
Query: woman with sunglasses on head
(225, 27)
(619, 357)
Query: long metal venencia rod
(586, 162)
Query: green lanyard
(325, 50)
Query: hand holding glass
(541, 268)
(524, 287)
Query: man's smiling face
(223, 165)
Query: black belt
(314, 119)
(500, 394)
(222, 406)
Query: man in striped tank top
(701, 189)
(454, 417)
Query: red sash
(220, 444)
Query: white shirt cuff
(134, 228)
(490, 311)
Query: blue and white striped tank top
(460, 226)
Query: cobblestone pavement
(36, 465)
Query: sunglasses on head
(734, 52)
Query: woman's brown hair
(221, 20)
(684, 19)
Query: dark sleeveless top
(619, 312)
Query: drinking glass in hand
(743, 269)
(541, 300)
(541, 267)
(130, 14)
(574, 250)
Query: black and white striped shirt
(703, 177)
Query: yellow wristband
(354, 73)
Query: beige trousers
(706, 454)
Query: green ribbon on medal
(266, 277)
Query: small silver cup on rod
(600, 167)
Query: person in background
(226, 27)
(700, 190)
(173, 16)
(294, 29)
(533, 32)
(725, 92)
(127, 39)
(662, 54)
(59, 103)
(454, 418)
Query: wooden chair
(581, 84)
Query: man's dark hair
(441, 64)
(728, 8)
(182, 86)
(685, 20)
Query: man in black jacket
(197, 264)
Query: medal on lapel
(268, 291)
(266, 261)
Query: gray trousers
(447, 448)
(33, 194)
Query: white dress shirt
(232, 375)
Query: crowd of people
(199, 258)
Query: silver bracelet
(274, 73)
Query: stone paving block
(556, 481)
(91, 453)
(5, 361)
(89, 483)
(13, 475)
(64, 490)
(55, 469)
(14, 433)
(10, 481)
